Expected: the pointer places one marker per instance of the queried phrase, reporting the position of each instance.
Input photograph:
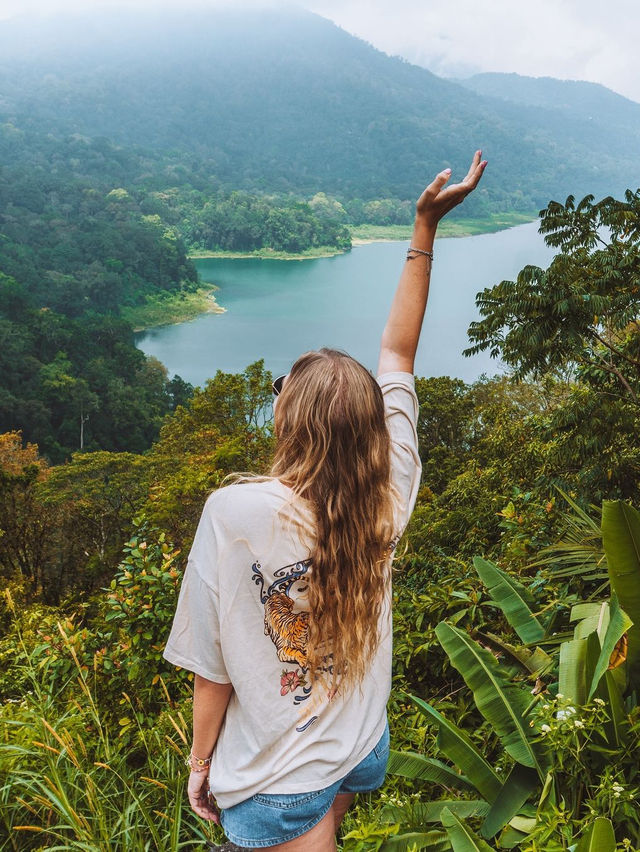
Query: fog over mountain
(286, 101)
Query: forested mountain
(286, 101)
(574, 99)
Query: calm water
(278, 309)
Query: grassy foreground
(169, 308)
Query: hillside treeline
(84, 235)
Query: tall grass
(67, 782)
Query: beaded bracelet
(202, 763)
(428, 254)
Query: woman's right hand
(200, 798)
(436, 201)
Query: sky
(569, 39)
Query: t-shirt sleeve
(194, 642)
(401, 409)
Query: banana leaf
(547, 801)
(596, 623)
(599, 837)
(515, 601)
(536, 662)
(457, 746)
(616, 727)
(461, 837)
(417, 767)
(517, 788)
(511, 838)
(581, 611)
(424, 812)
(503, 704)
(621, 539)
(523, 824)
(572, 670)
(619, 624)
(416, 841)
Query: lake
(277, 309)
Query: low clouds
(569, 39)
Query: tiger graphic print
(288, 630)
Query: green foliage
(581, 310)
(621, 541)
(139, 608)
(578, 318)
(70, 780)
(226, 427)
(571, 741)
(238, 221)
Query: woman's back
(243, 618)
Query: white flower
(616, 795)
(578, 724)
(545, 706)
(559, 695)
(599, 701)
(618, 788)
(545, 729)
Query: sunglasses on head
(278, 384)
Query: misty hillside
(573, 99)
(288, 102)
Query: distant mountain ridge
(576, 98)
(285, 101)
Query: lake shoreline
(365, 234)
(173, 309)
(267, 254)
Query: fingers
(471, 180)
(204, 810)
(475, 171)
(438, 182)
(475, 162)
(206, 813)
(201, 801)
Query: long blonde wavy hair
(333, 450)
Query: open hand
(436, 201)
(200, 798)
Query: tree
(579, 318)
(26, 533)
(94, 496)
(582, 312)
(225, 427)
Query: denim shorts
(267, 819)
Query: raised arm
(402, 331)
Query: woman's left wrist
(198, 764)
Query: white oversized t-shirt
(241, 619)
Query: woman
(284, 612)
